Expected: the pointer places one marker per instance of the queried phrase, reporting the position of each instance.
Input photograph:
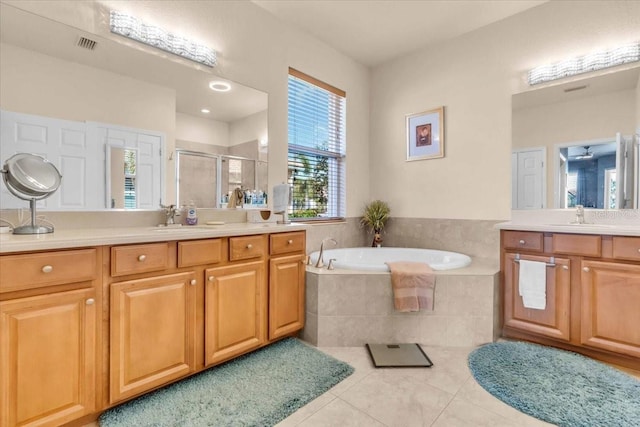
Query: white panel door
(530, 174)
(149, 170)
(65, 144)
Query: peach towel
(413, 285)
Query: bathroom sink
(575, 224)
(175, 229)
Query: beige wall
(474, 77)
(204, 131)
(250, 128)
(595, 117)
(38, 84)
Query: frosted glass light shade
(592, 62)
(129, 26)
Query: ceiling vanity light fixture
(583, 64)
(220, 86)
(131, 27)
(205, 111)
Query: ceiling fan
(586, 155)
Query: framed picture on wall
(425, 135)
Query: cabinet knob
(585, 269)
(249, 246)
(90, 301)
(142, 258)
(212, 278)
(290, 242)
(193, 282)
(522, 242)
(47, 269)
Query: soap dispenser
(192, 213)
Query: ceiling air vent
(86, 43)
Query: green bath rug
(257, 389)
(557, 386)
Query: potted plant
(374, 217)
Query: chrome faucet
(170, 213)
(320, 262)
(579, 214)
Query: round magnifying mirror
(31, 177)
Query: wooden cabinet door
(152, 333)
(47, 358)
(553, 321)
(286, 295)
(610, 315)
(235, 310)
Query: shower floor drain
(398, 356)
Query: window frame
(336, 203)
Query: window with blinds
(316, 162)
(130, 201)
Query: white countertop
(75, 238)
(622, 222)
(604, 229)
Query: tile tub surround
(348, 234)
(351, 308)
(476, 238)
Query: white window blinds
(316, 163)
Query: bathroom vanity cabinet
(610, 304)
(88, 328)
(286, 284)
(592, 293)
(49, 334)
(236, 301)
(151, 333)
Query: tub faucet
(320, 262)
(579, 214)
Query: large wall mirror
(114, 116)
(576, 143)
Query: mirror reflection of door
(586, 175)
(122, 178)
(197, 177)
(528, 176)
(562, 175)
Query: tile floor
(444, 395)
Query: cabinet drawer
(626, 248)
(134, 259)
(246, 247)
(29, 271)
(199, 252)
(284, 243)
(529, 240)
(577, 244)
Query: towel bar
(551, 263)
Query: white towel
(532, 284)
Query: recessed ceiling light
(220, 86)
(205, 111)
